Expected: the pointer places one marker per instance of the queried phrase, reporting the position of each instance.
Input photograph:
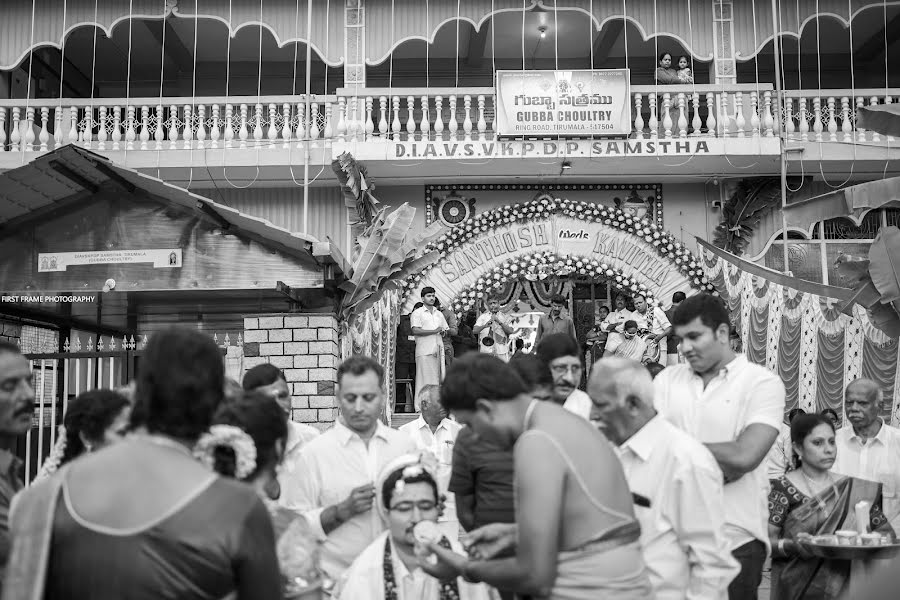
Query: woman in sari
(407, 500)
(575, 535)
(263, 421)
(811, 500)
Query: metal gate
(61, 376)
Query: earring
(88, 447)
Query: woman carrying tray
(813, 501)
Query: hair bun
(224, 460)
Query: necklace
(813, 494)
(527, 421)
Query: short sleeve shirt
(484, 469)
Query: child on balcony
(685, 75)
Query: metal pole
(779, 95)
(307, 114)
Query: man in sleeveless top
(735, 408)
(683, 529)
(16, 409)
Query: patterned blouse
(784, 497)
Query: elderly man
(433, 432)
(16, 411)
(735, 408)
(562, 354)
(868, 447)
(683, 529)
(337, 491)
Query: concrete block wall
(305, 347)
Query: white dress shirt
(364, 580)
(500, 348)
(614, 324)
(299, 434)
(654, 320)
(683, 532)
(428, 318)
(332, 465)
(579, 403)
(876, 460)
(741, 395)
(440, 443)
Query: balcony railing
(466, 114)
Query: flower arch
(556, 237)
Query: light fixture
(566, 165)
(543, 30)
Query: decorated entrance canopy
(554, 237)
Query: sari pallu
(817, 578)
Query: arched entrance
(556, 238)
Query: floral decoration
(231, 437)
(543, 207)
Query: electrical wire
(258, 84)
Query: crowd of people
(667, 482)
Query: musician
(652, 323)
(492, 329)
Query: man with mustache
(868, 447)
(16, 410)
(555, 322)
(563, 355)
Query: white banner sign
(159, 258)
(576, 103)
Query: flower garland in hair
(231, 437)
(53, 461)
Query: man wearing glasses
(563, 355)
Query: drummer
(813, 501)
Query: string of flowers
(540, 265)
(666, 245)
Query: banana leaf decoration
(751, 199)
(358, 190)
(875, 281)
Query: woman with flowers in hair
(247, 442)
(93, 420)
(388, 569)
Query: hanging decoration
(358, 187)
(539, 266)
(751, 199)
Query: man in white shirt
(614, 324)
(868, 447)
(433, 432)
(340, 467)
(428, 326)
(492, 329)
(654, 320)
(735, 408)
(683, 530)
(270, 381)
(562, 354)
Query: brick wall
(306, 348)
(10, 332)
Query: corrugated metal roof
(39, 184)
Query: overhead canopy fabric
(851, 202)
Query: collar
(345, 434)
(400, 570)
(422, 424)
(645, 439)
(881, 436)
(730, 369)
(9, 462)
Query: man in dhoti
(492, 329)
(428, 327)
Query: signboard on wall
(576, 103)
(165, 258)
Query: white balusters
(410, 122)
(667, 115)
(173, 127)
(244, 130)
(145, 126)
(116, 135)
(395, 122)
(789, 129)
(711, 114)
(453, 125)
(467, 122)
(15, 136)
(438, 118)
(382, 121)
(740, 122)
(201, 126)
(682, 115)
(817, 118)
(846, 125)
(44, 135)
(314, 122)
(803, 122)
(370, 123)
(28, 140)
(328, 131)
(342, 119)
(272, 132)
(696, 123)
(158, 135)
(2, 129)
(832, 121)
(101, 129)
(58, 130)
(481, 124)
(768, 121)
(653, 123)
(257, 123)
(188, 135)
(424, 125)
(888, 100)
(287, 132)
(638, 118)
(72, 137)
(754, 114)
(214, 127)
(302, 125)
(228, 134)
(876, 137)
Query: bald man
(683, 530)
(868, 447)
